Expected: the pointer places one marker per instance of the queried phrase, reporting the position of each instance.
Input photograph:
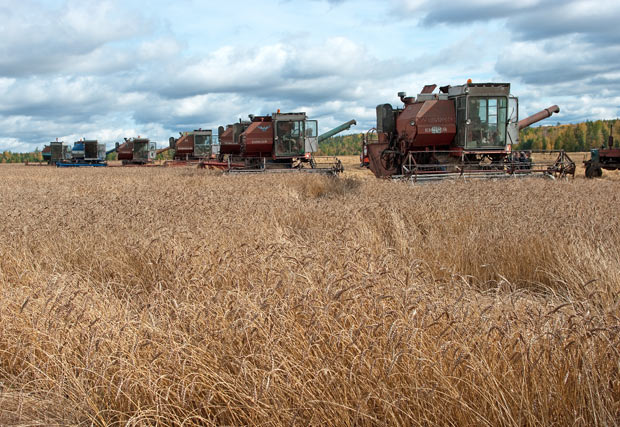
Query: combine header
(281, 142)
(463, 131)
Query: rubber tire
(598, 172)
(593, 171)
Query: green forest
(570, 137)
(9, 157)
(577, 137)
(342, 145)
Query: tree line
(571, 137)
(341, 145)
(9, 157)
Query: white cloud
(112, 69)
(35, 39)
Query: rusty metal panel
(428, 88)
(184, 146)
(429, 123)
(125, 151)
(488, 89)
(289, 116)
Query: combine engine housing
(230, 138)
(257, 139)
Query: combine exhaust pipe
(541, 115)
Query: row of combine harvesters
(280, 142)
(464, 131)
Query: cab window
(487, 117)
(290, 140)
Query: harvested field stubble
(183, 296)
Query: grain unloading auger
(278, 143)
(462, 131)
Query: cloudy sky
(111, 69)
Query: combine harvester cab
(281, 142)
(463, 131)
(85, 153)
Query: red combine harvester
(281, 142)
(461, 131)
(136, 152)
(192, 148)
(603, 158)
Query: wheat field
(177, 296)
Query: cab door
(311, 136)
(290, 136)
(512, 125)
